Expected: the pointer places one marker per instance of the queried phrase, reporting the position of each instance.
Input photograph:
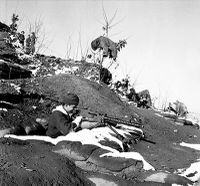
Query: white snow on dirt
(93, 137)
(192, 172)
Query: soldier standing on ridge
(21, 38)
(33, 40)
(28, 44)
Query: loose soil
(31, 162)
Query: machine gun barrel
(122, 121)
(103, 118)
(112, 122)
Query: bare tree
(83, 52)
(41, 42)
(106, 26)
(108, 23)
(67, 55)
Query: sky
(163, 40)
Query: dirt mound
(92, 95)
(96, 97)
(13, 71)
(31, 163)
(7, 52)
(32, 98)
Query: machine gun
(113, 123)
(105, 119)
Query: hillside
(165, 155)
(32, 85)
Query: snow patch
(193, 117)
(102, 182)
(132, 155)
(92, 137)
(159, 177)
(193, 146)
(192, 172)
(16, 87)
(64, 70)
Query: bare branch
(117, 22)
(80, 44)
(77, 50)
(69, 51)
(104, 14)
(111, 20)
(68, 47)
(107, 25)
(86, 50)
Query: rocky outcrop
(7, 50)
(88, 157)
(13, 71)
(4, 27)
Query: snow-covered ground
(193, 117)
(192, 172)
(96, 135)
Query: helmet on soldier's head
(70, 99)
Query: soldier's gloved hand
(77, 120)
